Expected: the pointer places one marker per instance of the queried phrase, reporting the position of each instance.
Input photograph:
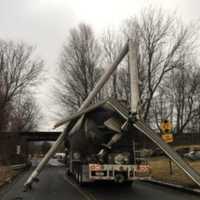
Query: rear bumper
(109, 171)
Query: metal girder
(134, 80)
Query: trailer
(103, 147)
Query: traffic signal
(166, 128)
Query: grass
(161, 171)
(6, 175)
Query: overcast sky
(46, 23)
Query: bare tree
(25, 115)
(18, 72)
(162, 106)
(111, 45)
(178, 99)
(163, 43)
(79, 69)
(186, 92)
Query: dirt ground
(6, 175)
(161, 171)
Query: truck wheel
(67, 173)
(76, 176)
(79, 179)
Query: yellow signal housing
(166, 127)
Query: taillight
(95, 167)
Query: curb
(7, 187)
(20, 170)
(180, 187)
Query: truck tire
(79, 178)
(76, 176)
(68, 173)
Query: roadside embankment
(6, 175)
(162, 171)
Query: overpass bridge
(17, 143)
(30, 136)
(40, 136)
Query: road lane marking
(86, 195)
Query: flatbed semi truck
(103, 147)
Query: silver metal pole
(134, 80)
(86, 103)
(46, 158)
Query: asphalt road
(54, 186)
